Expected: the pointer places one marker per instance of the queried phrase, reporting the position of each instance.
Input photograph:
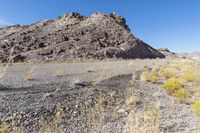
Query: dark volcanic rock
(74, 36)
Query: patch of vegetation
(145, 66)
(149, 76)
(8, 63)
(145, 122)
(59, 72)
(130, 64)
(196, 108)
(29, 75)
(133, 78)
(97, 115)
(167, 73)
(197, 90)
(181, 95)
(172, 85)
(131, 102)
(4, 128)
(190, 76)
(52, 126)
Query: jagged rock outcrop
(74, 36)
(167, 53)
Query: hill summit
(74, 36)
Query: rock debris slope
(74, 36)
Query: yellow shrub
(189, 76)
(168, 73)
(145, 66)
(196, 108)
(182, 95)
(149, 77)
(172, 84)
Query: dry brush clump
(190, 76)
(3, 72)
(172, 85)
(97, 115)
(180, 78)
(53, 125)
(59, 72)
(4, 128)
(168, 73)
(181, 95)
(144, 122)
(29, 74)
(131, 102)
(149, 76)
(196, 108)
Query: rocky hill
(73, 36)
(167, 53)
(195, 55)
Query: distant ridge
(74, 36)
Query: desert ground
(98, 96)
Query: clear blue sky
(174, 24)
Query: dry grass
(7, 64)
(197, 90)
(181, 95)
(53, 126)
(196, 108)
(133, 78)
(181, 79)
(96, 115)
(17, 129)
(189, 76)
(147, 122)
(4, 128)
(29, 74)
(168, 73)
(149, 77)
(131, 102)
(130, 64)
(59, 72)
(103, 76)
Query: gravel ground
(85, 97)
